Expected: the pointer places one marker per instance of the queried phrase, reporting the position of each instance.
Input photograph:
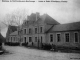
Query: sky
(63, 12)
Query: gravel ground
(22, 53)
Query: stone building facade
(33, 31)
(43, 29)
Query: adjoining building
(38, 30)
(1, 41)
(13, 37)
(33, 30)
(65, 35)
(10, 30)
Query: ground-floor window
(11, 39)
(41, 39)
(14, 39)
(67, 37)
(30, 39)
(25, 39)
(51, 37)
(76, 37)
(58, 37)
(35, 39)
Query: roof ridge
(72, 22)
(68, 23)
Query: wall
(33, 34)
(63, 43)
(13, 41)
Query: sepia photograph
(39, 29)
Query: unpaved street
(23, 53)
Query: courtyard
(23, 53)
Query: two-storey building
(34, 29)
(38, 30)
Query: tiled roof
(14, 33)
(48, 19)
(13, 28)
(48, 28)
(66, 27)
(35, 17)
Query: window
(67, 37)
(58, 38)
(18, 32)
(35, 39)
(24, 31)
(29, 30)
(35, 30)
(14, 39)
(40, 29)
(25, 23)
(21, 31)
(76, 37)
(21, 39)
(41, 39)
(51, 37)
(25, 39)
(11, 39)
(30, 39)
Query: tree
(15, 18)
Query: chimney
(37, 15)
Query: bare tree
(15, 18)
(1, 26)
